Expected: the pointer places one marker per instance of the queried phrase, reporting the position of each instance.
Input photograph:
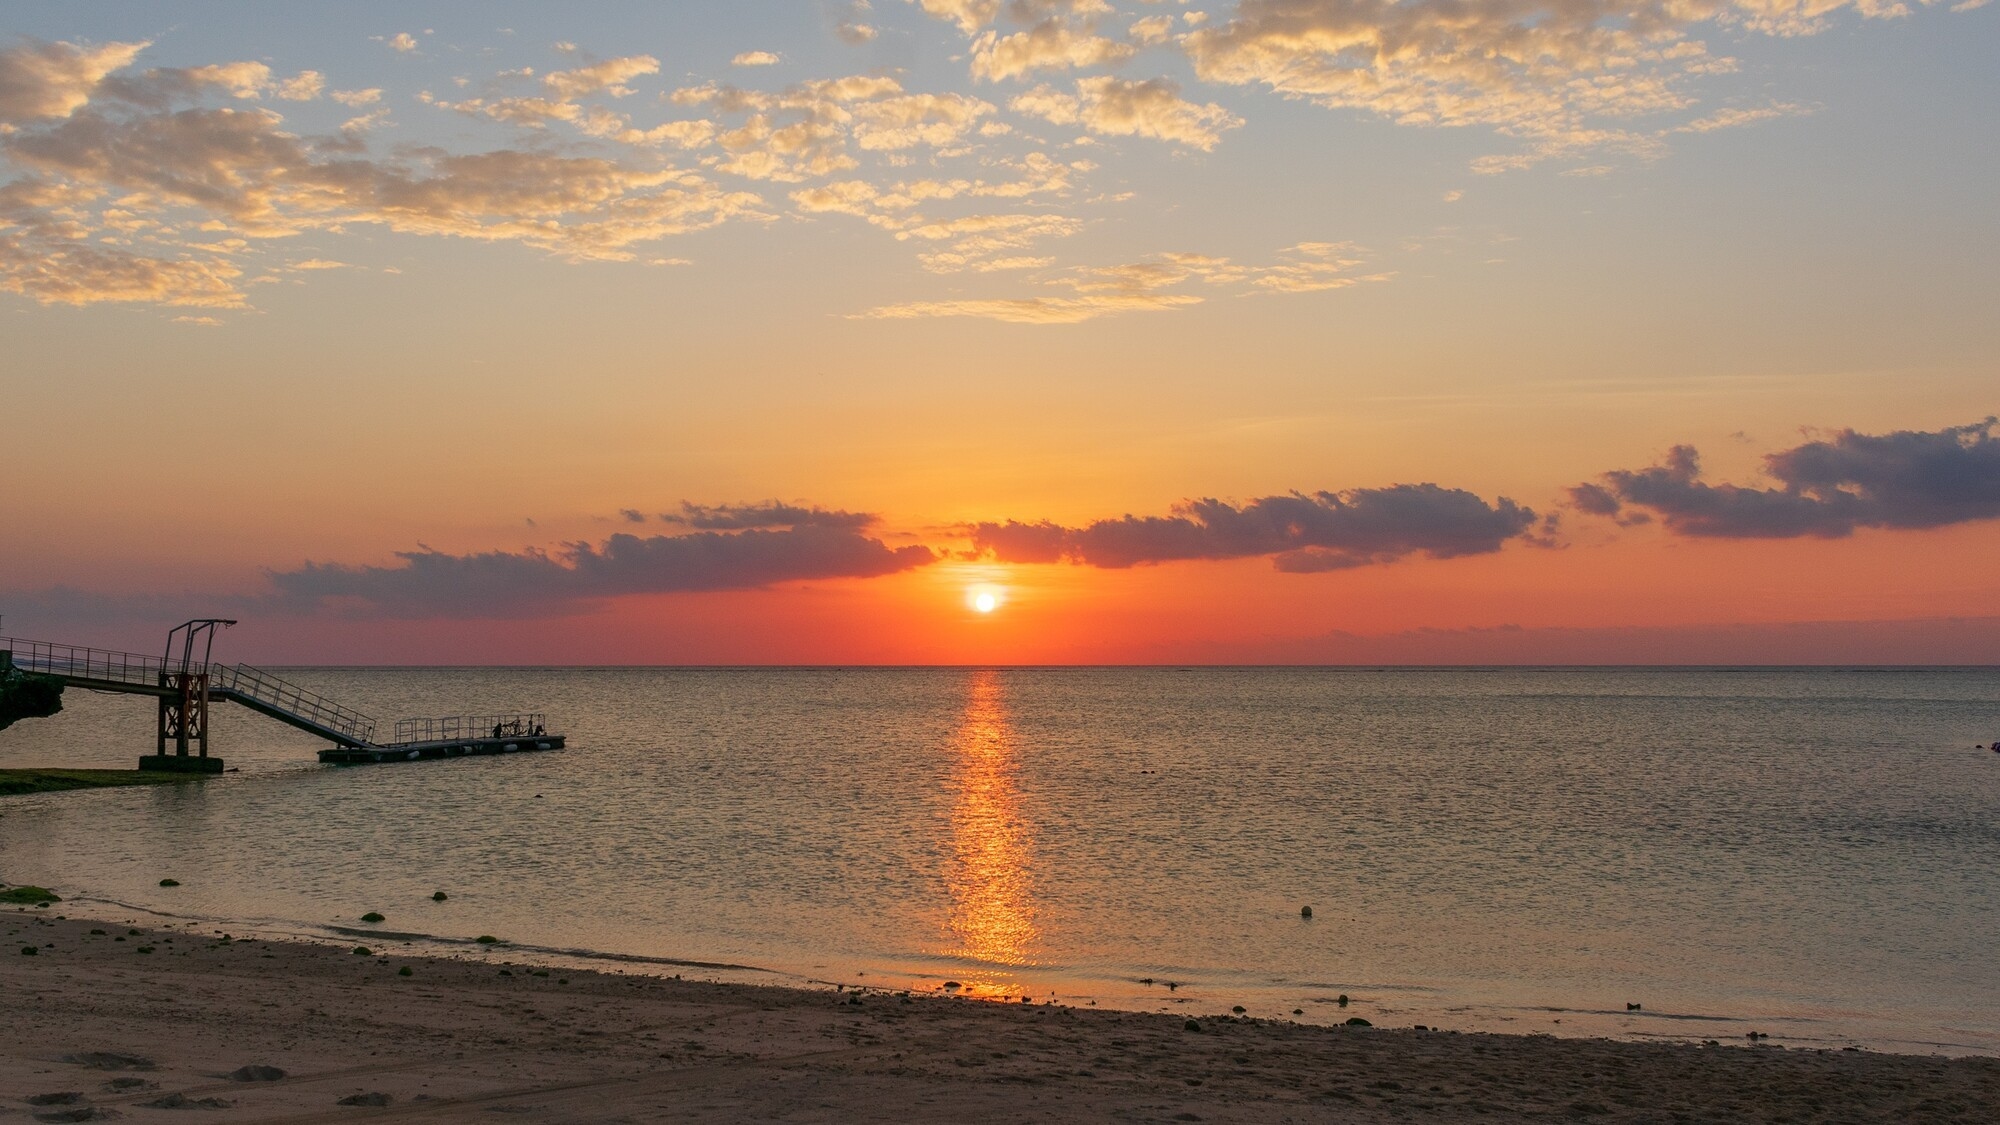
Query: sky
(1005, 331)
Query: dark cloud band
(500, 584)
(1827, 489)
(1302, 533)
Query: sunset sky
(1342, 331)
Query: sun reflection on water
(992, 914)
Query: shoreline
(458, 1037)
(1383, 1005)
(23, 781)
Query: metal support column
(184, 709)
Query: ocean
(1813, 854)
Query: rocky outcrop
(24, 695)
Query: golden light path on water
(991, 919)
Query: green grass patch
(29, 896)
(14, 783)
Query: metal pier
(186, 684)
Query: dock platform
(426, 751)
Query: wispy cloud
(1151, 285)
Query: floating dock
(422, 751)
(456, 736)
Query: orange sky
(289, 299)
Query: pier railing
(84, 663)
(253, 683)
(467, 727)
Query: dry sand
(91, 1028)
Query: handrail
(292, 699)
(75, 661)
(452, 728)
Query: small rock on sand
(374, 1098)
(256, 1073)
(81, 1113)
(67, 1097)
(182, 1101)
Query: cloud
(1826, 489)
(1050, 45)
(507, 584)
(403, 42)
(45, 255)
(43, 80)
(754, 58)
(1032, 310)
(771, 513)
(1118, 107)
(563, 89)
(972, 15)
(147, 192)
(1151, 30)
(1563, 76)
(1144, 286)
(1301, 533)
(608, 76)
(969, 15)
(302, 87)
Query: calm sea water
(1813, 853)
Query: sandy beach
(174, 1024)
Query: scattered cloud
(1118, 107)
(1302, 533)
(44, 80)
(1562, 77)
(1825, 488)
(302, 87)
(1050, 45)
(403, 42)
(1152, 30)
(1150, 285)
(1033, 310)
(755, 58)
(145, 191)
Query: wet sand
(91, 1027)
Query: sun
(983, 601)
